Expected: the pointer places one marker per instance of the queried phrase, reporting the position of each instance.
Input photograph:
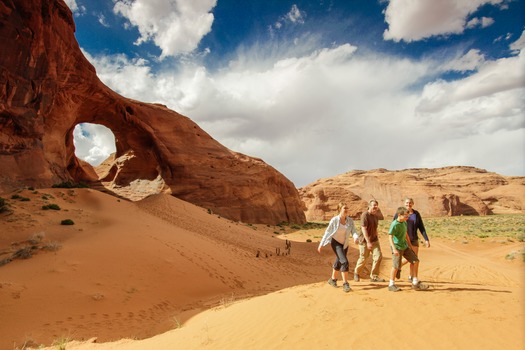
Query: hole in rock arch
(133, 175)
(94, 143)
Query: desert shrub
(37, 238)
(70, 184)
(20, 198)
(3, 205)
(51, 206)
(67, 222)
(52, 246)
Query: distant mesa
(47, 87)
(448, 191)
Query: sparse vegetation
(51, 207)
(70, 184)
(52, 246)
(61, 343)
(225, 302)
(67, 222)
(177, 322)
(20, 198)
(3, 205)
(510, 226)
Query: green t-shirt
(399, 230)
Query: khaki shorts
(407, 254)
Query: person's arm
(423, 231)
(326, 235)
(367, 237)
(392, 245)
(407, 237)
(353, 230)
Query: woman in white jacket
(338, 234)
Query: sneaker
(377, 279)
(356, 277)
(419, 286)
(398, 274)
(346, 287)
(394, 288)
(332, 282)
(409, 278)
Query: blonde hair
(409, 199)
(340, 206)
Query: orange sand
(165, 274)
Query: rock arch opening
(94, 143)
(97, 157)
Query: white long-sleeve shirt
(332, 229)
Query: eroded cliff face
(47, 87)
(448, 191)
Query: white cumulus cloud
(176, 27)
(410, 20)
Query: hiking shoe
(356, 277)
(398, 274)
(332, 282)
(346, 287)
(419, 286)
(376, 279)
(394, 288)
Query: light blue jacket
(332, 229)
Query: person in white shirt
(337, 234)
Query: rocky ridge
(448, 191)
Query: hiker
(402, 248)
(414, 223)
(337, 234)
(369, 242)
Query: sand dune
(164, 274)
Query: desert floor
(164, 274)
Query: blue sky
(319, 88)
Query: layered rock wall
(448, 191)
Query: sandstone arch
(47, 87)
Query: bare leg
(413, 271)
(344, 276)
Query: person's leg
(343, 258)
(363, 255)
(396, 265)
(343, 264)
(415, 246)
(377, 256)
(336, 266)
(414, 261)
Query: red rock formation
(446, 191)
(47, 87)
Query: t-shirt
(370, 222)
(340, 234)
(398, 230)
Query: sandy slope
(130, 270)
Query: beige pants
(364, 252)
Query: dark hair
(372, 201)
